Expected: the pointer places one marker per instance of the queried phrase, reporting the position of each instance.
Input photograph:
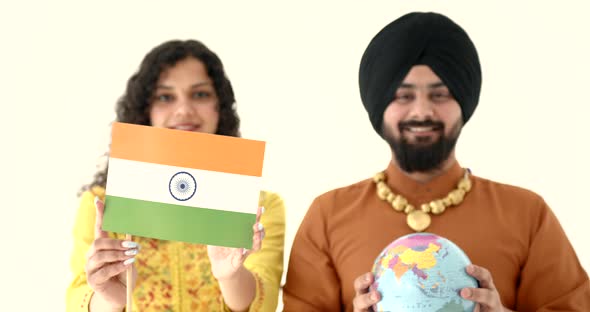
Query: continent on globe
(422, 272)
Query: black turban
(419, 39)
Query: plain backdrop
(294, 69)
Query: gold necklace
(419, 219)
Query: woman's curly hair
(133, 107)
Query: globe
(422, 272)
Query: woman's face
(185, 98)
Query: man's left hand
(486, 297)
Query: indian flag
(183, 186)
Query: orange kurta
(508, 230)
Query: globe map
(422, 272)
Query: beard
(424, 155)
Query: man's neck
(424, 177)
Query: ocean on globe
(422, 272)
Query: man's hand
(364, 299)
(487, 296)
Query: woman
(179, 85)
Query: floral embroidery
(164, 284)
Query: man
(420, 81)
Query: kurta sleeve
(552, 278)
(312, 283)
(78, 293)
(267, 263)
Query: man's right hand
(364, 299)
(106, 265)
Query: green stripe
(178, 223)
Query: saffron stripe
(187, 149)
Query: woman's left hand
(226, 261)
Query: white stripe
(215, 190)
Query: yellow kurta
(176, 276)
(508, 230)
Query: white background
(294, 69)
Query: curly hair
(134, 106)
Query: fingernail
(129, 261)
(260, 226)
(470, 269)
(131, 252)
(129, 244)
(374, 296)
(367, 277)
(262, 210)
(262, 235)
(95, 201)
(244, 251)
(466, 293)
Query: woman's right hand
(106, 265)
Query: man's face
(423, 122)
